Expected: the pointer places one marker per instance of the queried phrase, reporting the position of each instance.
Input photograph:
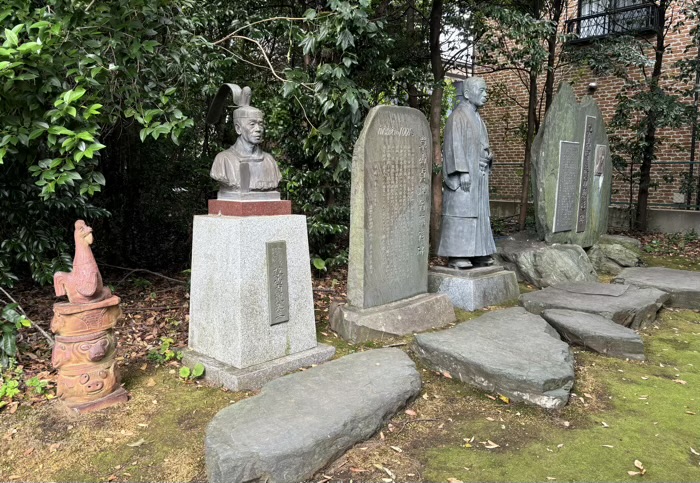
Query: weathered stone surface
(625, 305)
(626, 241)
(254, 377)
(612, 258)
(301, 422)
(596, 333)
(508, 351)
(683, 286)
(543, 265)
(571, 171)
(407, 316)
(230, 311)
(474, 288)
(389, 208)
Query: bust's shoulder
(227, 154)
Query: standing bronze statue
(466, 237)
(244, 167)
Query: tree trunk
(555, 15)
(649, 152)
(531, 120)
(411, 32)
(435, 121)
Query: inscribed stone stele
(390, 208)
(571, 171)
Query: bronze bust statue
(244, 169)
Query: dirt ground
(451, 432)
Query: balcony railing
(635, 19)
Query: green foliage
(39, 385)
(191, 374)
(71, 74)
(11, 321)
(9, 384)
(164, 353)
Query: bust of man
(243, 167)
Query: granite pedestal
(408, 316)
(475, 288)
(251, 300)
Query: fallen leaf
(136, 444)
(588, 395)
(605, 425)
(447, 375)
(694, 452)
(54, 447)
(112, 478)
(151, 382)
(490, 419)
(491, 445)
(561, 445)
(607, 446)
(690, 412)
(358, 470)
(411, 412)
(144, 367)
(638, 464)
(396, 448)
(381, 435)
(680, 381)
(109, 440)
(490, 397)
(28, 451)
(503, 398)
(633, 473)
(453, 480)
(143, 425)
(551, 478)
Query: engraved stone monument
(571, 172)
(389, 218)
(251, 301)
(84, 353)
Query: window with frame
(600, 18)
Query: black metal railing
(635, 19)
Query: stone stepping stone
(511, 352)
(596, 333)
(683, 286)
(626, 305)
(301, 422)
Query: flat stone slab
(301, 422)
(596, 333)
(476, 288)
(543, 265)
(683, 286)
(415, 314)
(511, 352)
(631, 307)
(254, 377)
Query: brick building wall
(506, 116)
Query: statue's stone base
(415, 314)
(251, 299)
(474, 288)
(117, 397)
(254, 377)
(250, 208)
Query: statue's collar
(256, 155)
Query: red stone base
(117, 397)
(250, 208)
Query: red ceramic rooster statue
(84, 284)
